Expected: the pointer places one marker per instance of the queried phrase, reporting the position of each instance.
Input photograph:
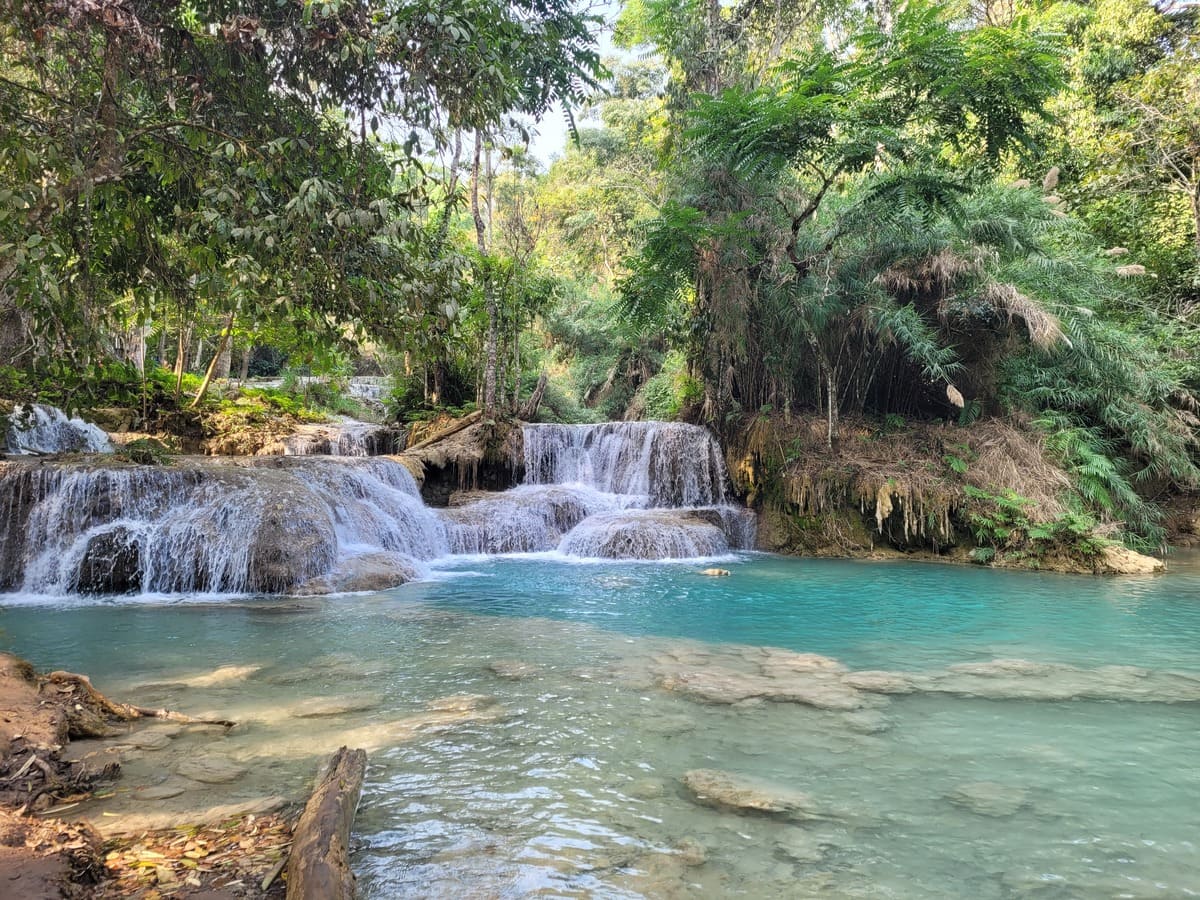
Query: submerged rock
(513, 668)
(800, 846)
(321, 707)
(740, 793)
(221, 675)
(210, 769)
(987, 798)
(691, 852)
(717, 684)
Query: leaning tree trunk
(529, 410)
(212, 366)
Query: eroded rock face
(252, 525)
(645, 534)
(739, 793)
(295, 542)
(111, 564)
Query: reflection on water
(524, 742)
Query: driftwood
(463, 423)
(319, 866)
(86, 723)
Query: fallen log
(319, 866)
(463, 423)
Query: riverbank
(990, 494)
(57, 752)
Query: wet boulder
(111, 564)
(295, 541)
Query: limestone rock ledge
(1118, 560)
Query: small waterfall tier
(42, 429)
(618, 490)
(342, 437)
(207, 527)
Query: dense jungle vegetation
(949, 212)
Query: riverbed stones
(646, 789)
(210, 769)
(876, 682)
(741, 793)
(721, 685)
(691, 852)
(987, 798)
(149, 739)
(800, 846)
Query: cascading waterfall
(205, 527)
(38, 429)
(624, 490)
(638, 490)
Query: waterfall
(640, 490)
(38, 428)
(668, 463)
(342, 437)
(625, 490)
(206, 527)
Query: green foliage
(1001, 523)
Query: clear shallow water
(567, 780)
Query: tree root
(85, 722)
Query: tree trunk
(529, 410)
(319, 865)
(212, 366)
(181, 357)
(490, 355)
(223, 361)
(245, 370)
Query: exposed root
(86, 705)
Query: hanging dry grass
(903, 480)
(1045, 331)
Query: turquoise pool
(534, 724)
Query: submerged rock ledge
(782, 676)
